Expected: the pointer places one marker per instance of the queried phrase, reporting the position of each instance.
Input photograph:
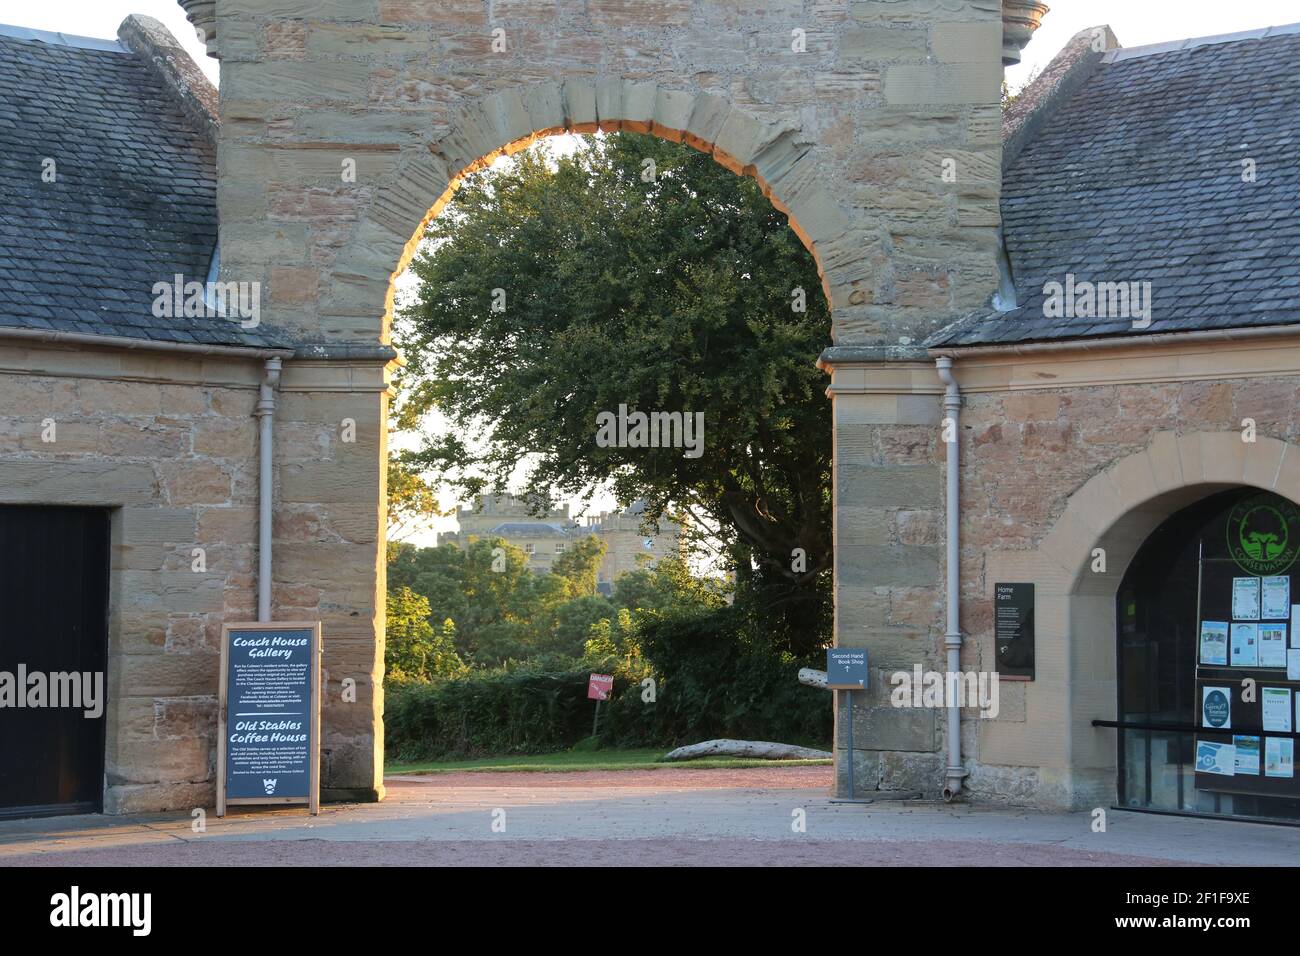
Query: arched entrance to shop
(1203, 630)
(1069, 734)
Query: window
(530, 548)
(559, 548)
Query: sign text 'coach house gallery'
(1064, 361)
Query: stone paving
(629, 818)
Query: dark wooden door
(53, 620)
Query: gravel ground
(668, 817)
(507, 852)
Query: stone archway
(344, 124)
(775, 155)
(1116, 511)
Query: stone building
(962, 252)
(545, 537)
(629, 545)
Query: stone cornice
(1020, 18)
(1177, 359)
(203, 15)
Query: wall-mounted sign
(268, 749)
(1013, 629)
(846, 668)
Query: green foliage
(414, 651)
(718, 676)
(490, 712)
(580, 566)
(574, 620)
(411, 500)
(613, 639)
(498, 614)
(511, 614)
(712, 667)
(674, 295)
(669, 583)
(712, 677)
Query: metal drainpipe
(952, 637)
(266, 413)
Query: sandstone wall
(169, 443)
(1048, 475)
(848, 113)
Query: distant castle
(545, 537)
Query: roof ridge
(1191, 43)
(169, 63)
(62, 39)
(1072, 67)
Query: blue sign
(846, 668)
(269, 720)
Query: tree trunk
(755, 749)
(812, 677)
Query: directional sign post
(846, 670)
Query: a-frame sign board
(268, 749)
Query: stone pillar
(888, 488)
(329, 557)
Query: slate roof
(134, 202)
(529, 529)
(1138, 177)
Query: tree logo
(1263, 534)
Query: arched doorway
(343, 135)
(1203, 630)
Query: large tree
(635, 273)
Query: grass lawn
(571, 760)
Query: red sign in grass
(599, 686)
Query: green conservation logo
(1264, 534)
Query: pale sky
(101, 18)
(1135, 22)
(1141, 22)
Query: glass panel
(1182, 568)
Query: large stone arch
(875, 126)
(773, 153)
(1116, 510)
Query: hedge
(713, 678)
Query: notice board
(268, 748)
(1243, 634)
(1247, 630)
(1013, 630)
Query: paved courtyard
(660, 817)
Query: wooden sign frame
(313, 745)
